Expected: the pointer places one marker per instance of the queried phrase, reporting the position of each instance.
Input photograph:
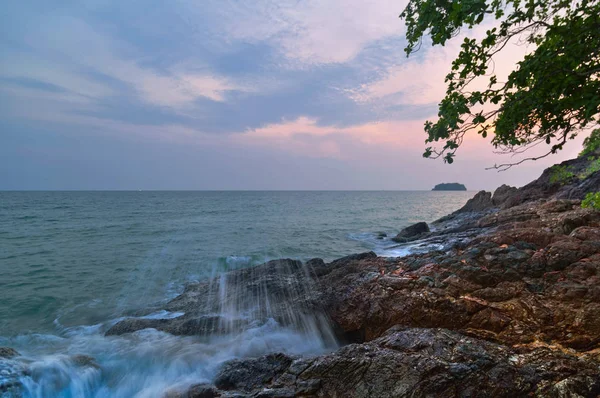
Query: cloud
(282, 82)
(181, 89)
(22, 66)
(305, 136)
(67, 47)
(312, 31)
(420, 79)
(418, 82)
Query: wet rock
(186, 325)
(7, 352)
(10, 388)
(282, 290)
(250, 374)
(354, 257)
(203, 391)
(412, 232)
(11, 373)
(315, 263)
(85, 361)
(419, 362)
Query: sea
(72, 264)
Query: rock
(586, 233)
(381, 235)
(203, 391)
(543, 188)
(315, 263)
(419, 362)
(412, 232)
(85, 361)
(7, 352)
(11, 373)
(247, 375)
(502, 194)
(354, 257)
(481, 201)
(581, 188)
(267, 291)
(506, 285)
(557, 206)
(185, 326)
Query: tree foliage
(561, 175)
(552, 94)
(591, 144)
(592, 201)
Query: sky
(223, 94)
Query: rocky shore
(508, 305)
(502, 300)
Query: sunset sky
(106, 94)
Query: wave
(148, 363)
(81, 361)
(383, 246)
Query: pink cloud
(305, 136)
(419, 79)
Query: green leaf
(552, 93)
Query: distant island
(449, 186)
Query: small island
(449, 186)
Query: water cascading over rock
(279, 291)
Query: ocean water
(74, 263)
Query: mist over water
(75, 263)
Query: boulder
(7, 352)
(250, 374)
(412, 232)
(502, 194)
(480, 202)
(85, 361)
(203, 391)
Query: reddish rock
(416, 362)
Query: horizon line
(235, 190)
